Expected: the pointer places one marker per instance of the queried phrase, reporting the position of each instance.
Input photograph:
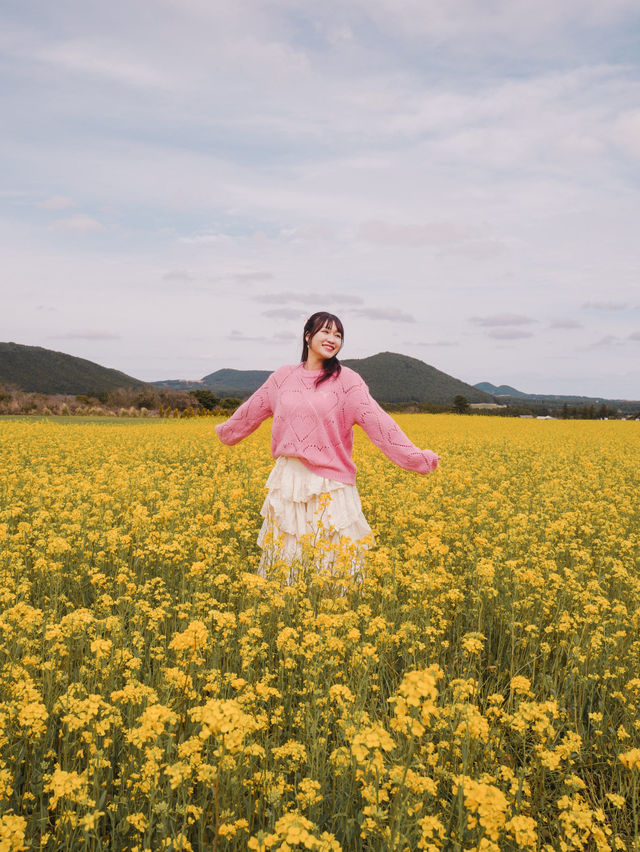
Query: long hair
(331, 366)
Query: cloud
(85, 335)
(565, 323)
(285, 314)
(503, 28)
(635, 335)
(80, 223)
(606, 342)
(57, 202)
(278, 338)
(625, 132)
(502, 320)
(250, 277)
(310, 232)
(432, 234)
(177, 275)
(606, 306)
(278, 298)
(240, 337)
(508, 334)
(433, 343)
(284, 298)
(90, 58)
(210, 238)
(387, 314)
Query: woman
(314, 405)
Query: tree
(206, 398)
(460, 404)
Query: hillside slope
(398, 378)
(39, 370)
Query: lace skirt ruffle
(303, 510)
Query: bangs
(322, 319)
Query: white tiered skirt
(309, 515)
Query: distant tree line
(164, 402)
(561, 411)
(123, 402)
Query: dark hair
(331, 366)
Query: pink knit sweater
(315, 424)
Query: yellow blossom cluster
(472, 685)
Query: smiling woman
(312, 496)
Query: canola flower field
(475, 687)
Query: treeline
(541, 408)
(164, 402)
(119, 402)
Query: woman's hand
(432, 460)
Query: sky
(186, 181)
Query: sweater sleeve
(248, 416)
(385, 433)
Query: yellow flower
(225, 719)
(66, 785)
(630, 759)
(138, 821)
(12, 833)
(194, 637)
(485, 801)
(472, 643)
(520, 685)
(524, 831)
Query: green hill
(39, 370)
(238, 383)
(399, 378)
(502, 390)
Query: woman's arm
(385, 433)
(248, 416)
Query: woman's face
(326, 342)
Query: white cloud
(435, 233)
(509, 334)
(90, 58)
(277, 338)
(625, 132)
(307, 298)
(565, 323)
(606, 342)
(178, 276)
(85, 335)
(606, 306)
(502, 319)
(80, 223)
(284, 314)
(437, 343)
(57, 202)
(387, 314)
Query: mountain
(399, 378)
(391, 378)
(232, 383)
(235, 382)
(38, 370)
(501, 390)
